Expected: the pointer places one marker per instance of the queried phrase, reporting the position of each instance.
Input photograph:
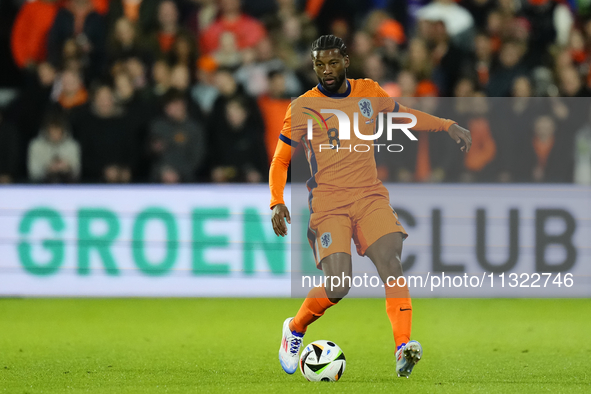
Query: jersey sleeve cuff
(449, 124)
(273, 203)
(288, 141)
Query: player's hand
(280, 214)
(459, 135)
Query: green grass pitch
(230, 345)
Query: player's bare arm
(278, 217)
(461, 136)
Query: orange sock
(312, 308)
(399, 310)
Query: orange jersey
(342, 162)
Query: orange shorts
(365, 220)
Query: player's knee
(390, 267)
(335, 294)
(396, 265)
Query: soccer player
(346, 198)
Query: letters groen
(254, 238)
(55, 246)
(101, 243)
(202, 241)
(139, 255)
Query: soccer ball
(322, 361)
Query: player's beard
(338, 82)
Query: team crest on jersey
(325, 240)
(365, 107)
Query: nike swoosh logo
(402, 310)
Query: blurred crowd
(176, 91)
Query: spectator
(292, 30)
(508, 68)
(204, 93)
(29, 108)
(228, 55)
(450, 61)
(198, 15)
(382, 27)
(124, 91)
(54, 156)
(160, 78)
(292, 45)
(483, 52)
(578, 52)
(464, 88)
(130, 101)
(273, 107)
(169, 29)
(180, 80)
(457, 20)
(253, 74)
(362, 47)
(341, 28)
(8, 150)
(125, 42)
(142, 13)
(571, 84)
(511, 124)
(563, 59)
(177, 142)
(522, 87)
(418, 61)
(550, 23)
(184, 53)
(478, 164)
(544, 151)
(73, 58)
(240, 148)
(30, 31)
(407, 84)
(134, 106)
(72, 92)
(228, 89)
(496, 29)
(136, 69)
(106, 139)
(246, 31)
(78, 21)
(389, 35)
(374, 68)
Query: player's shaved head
(330, 58)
